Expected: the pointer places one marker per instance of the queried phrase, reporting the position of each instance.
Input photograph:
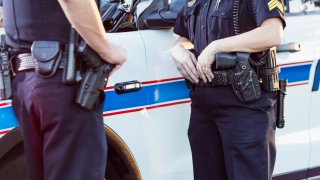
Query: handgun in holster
(246, 80)
(5, 76)
(95, 78)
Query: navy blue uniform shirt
(30, 20)
(207, 20)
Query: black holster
(95, 78)
(245, 81)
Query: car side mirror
(163, 17)
(160, 19)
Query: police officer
(229, 139)
(62, 140)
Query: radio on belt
(127, 87)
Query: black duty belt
(221, 78)
(23, 62)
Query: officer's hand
(205, 61)
(114, 54)
(185, 62)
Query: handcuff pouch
(47, 56)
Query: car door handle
(127, 87)
(289, 47)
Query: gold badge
(191, 3)
(276, 4)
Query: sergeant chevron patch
(276, 4)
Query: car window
(302, 6)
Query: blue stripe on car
(7, 118)
(295, 73)
(159, 93)
(148, 95)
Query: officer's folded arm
(268, 35)
(85, 18)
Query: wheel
(115, 167)
(12, 163)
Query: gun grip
(225, 61)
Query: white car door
(298, 143)
(169, 109)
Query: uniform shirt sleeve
(265, 9)
(181, 26)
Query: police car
(147, 108)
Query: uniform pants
(62, 140)
(230, 139)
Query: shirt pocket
(221, 24)
(191, 20)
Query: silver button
(203, 27)
(206, 5)
(223, 13)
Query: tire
(115, 167)
(12, 163)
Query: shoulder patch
(191, 3)
(276, 4)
